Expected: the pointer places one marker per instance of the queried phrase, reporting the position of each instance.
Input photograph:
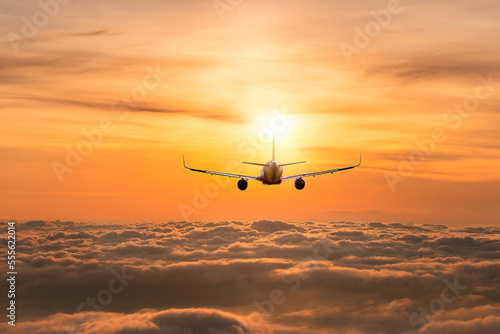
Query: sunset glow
(250, 167)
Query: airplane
(272, 173)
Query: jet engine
(242, 184)
(300, 183)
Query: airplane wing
(322, 172)
(219, 173)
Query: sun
(276, 122)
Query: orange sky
(208, 84)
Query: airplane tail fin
(273, 147)
(258, 164)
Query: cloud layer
(260, 277)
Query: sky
(100, 100)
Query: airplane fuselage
(271, 173)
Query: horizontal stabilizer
(254, 163)
(293, 163)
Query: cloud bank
(258, 277)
